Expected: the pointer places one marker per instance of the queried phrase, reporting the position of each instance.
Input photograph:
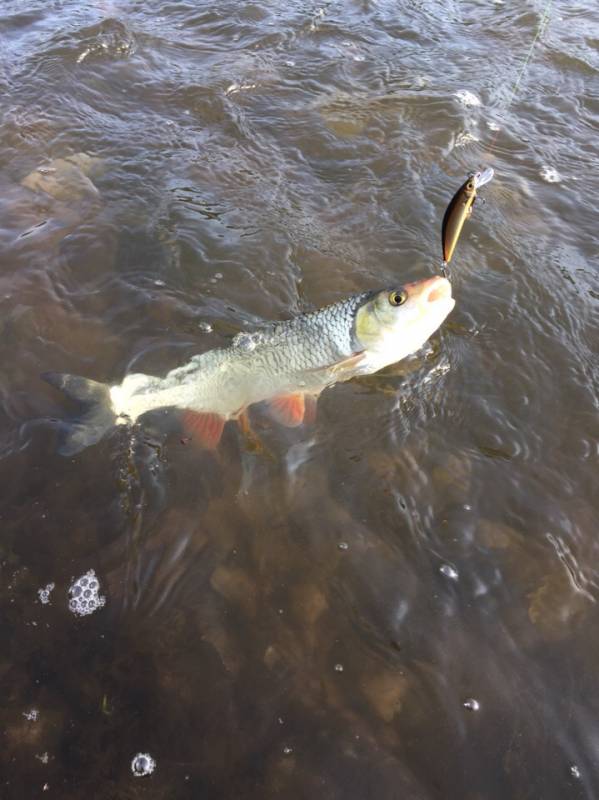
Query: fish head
(396, 322)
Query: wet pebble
(142, 764)
(65, 179)
(385, 692)
(338, 667)
(454, 476)
(85, 595)
(205, 327)
(343, 546)
(287, 751)
(470, 704)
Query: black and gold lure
(458, 211)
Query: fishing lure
(459, 209)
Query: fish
(459, 209)
(286, 365)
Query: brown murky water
(400, 602)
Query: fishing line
(460, 206)
(541, 27)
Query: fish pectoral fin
(288, 409)
(349, 363)
(206, 428)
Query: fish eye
(398, 298)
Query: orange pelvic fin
(204, 428)
(288, 409)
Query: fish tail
(97, 415)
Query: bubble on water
(32, 715)
(575, 772)
(44, 594)
(287, 750)
(159, 283)
(449, 571)
(464, 138)
(466, 98)
(205, 327)
(246, 341)
(471, 704)
(550, 174)
(142, 764)
(85, 595)
(343, 546)
(338, 667)
(44, 758)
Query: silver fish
(287, 365)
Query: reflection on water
(398, 602)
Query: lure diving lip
(459, 209)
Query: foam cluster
(85, 597)
(44, 594)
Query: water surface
(400, 602)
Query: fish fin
(98, 413)
(206, 428)
(250, 438)
(348, 363)
(311, 408)
(288, 409)
(243, 420)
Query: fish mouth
(439, 290)
(430, 290)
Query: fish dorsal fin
(288, 409)
(206, 428)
